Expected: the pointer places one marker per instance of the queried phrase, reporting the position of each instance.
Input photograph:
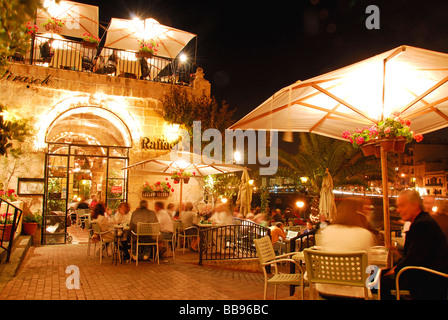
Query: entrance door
(79, 171)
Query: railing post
(201, 245)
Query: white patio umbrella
(327, 206)
(79, 18)
(244, 198)
(125, 34)
(408, 80)
(183, 161)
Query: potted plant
(158, 189)
(90, 41)
(31, 29)
(365, 138)
(176, 175)
(54, 25)
(186, 176)
(147, 48)
(5, 226)
(31, 222)
(395, 132)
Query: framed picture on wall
(30, 187)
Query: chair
(173, 239)
(406, 292)
(266, 256)
(146, 230)
(347, 269)
(83, 217)
(186, 233)
(97, 231)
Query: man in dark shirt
(143, 214)
(425, 246)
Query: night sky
(251, 49)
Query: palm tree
(316, 153)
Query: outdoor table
(119, 235)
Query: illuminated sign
(156, 144)
(9, 76)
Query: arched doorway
(87, 147)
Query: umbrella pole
(181, 187)
(385, 199)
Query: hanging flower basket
(145, 54)
(387, 144)
(186, 180)
(368, 148)
(89, 45)
(54, 25)
(400, 144)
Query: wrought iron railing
(73, 55)
(231, 241)
(10, 218)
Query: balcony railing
(73, 55)
(10, 217)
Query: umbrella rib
(343, 115)
(340, 101)
(324, 118)
(424, 94)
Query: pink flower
(359, 140)
(418, 137)
(358, 130)
(172, 190)
(387, 130)
(408, 122)
(346, 135)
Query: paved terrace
(41, 276)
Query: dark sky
(251, 49)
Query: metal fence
(75, 56)
(231, 241)
(9, 219)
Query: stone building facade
(87, 128)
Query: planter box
(155, 194)
(30, 228)
(89, 45)
(145, 54)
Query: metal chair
(103, 242)
(186, 233)
(83, 218)
(173, 239)
(406, 292)
(152, 232)
(348, 269)
(266, 255)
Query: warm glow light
(237, 156)
(303, 179)
(183, 57)
(224, 200)
(300, 204)
(251, 182)
(434, 209)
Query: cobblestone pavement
(42, 276)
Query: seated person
(46, 50)
(277, 232)
(144, 68)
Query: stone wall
(45, 93)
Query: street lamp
(300, 204)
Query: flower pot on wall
(145, 54)
(30, 228)
(5, 232)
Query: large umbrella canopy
(244, 198)
(406, 80)
(327, 206)
(184, 161)
(126, 34)
(79, 18)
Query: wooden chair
(266, 255)
(146, 230)
(399, 292)
(348, 269)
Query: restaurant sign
(28, 80)
(157, 144)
